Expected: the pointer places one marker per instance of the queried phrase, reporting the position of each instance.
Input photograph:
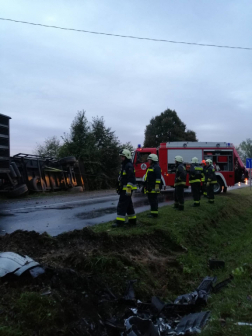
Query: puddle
(6, 214)
(96, 213)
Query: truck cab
(140, 162)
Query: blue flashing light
(139, 146)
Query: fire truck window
(142, 157)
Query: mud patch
(96, 213)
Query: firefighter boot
(118, 223)
(175, 206)
(181, 207)
(152, 215)
(132, 222)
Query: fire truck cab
(229, 167)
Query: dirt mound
(83, 269)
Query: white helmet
(209, 161)
(178, 158)
(195, 160)
(126, 153)
(153, 157)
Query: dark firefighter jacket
(195, 173)
(203, 174)
(210, 175)
(126, 176)
(153, 178)
(180, 178)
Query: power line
(127, 36)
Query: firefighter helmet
(178, 158)
(195, 160)
(125, 152)
(153, 157)
(203, 162)
(209, 161)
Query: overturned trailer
(25, 172)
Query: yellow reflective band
(213, 182)
(154, 212)
(132, 217)
(120, 219)
(179, 183)
(124, 173)
(197, 202)
(193, 181)
(152, 170)
(158, 181)
(198, 168)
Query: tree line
(97, 147)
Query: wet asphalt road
(65, 213)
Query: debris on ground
(13, 263)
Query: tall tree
(128, 145)
(167, 127)
(245, 149)
(50, 148)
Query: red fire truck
(228, 165)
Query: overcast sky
(47, 75)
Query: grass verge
(168, 255)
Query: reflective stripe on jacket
(126, 177)
(195, 173)
(153, 178)
(210, 175)
(180, 178)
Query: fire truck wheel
(68, 160)
(75, 189)
(37, 184)
(18, 191)
(218, 186)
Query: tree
(128, 145)
(96, 147)
(167, 127)
(245, 149)
(50, 148)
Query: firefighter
(153, 184)
(180, 181)
(210, 180)
(194, 179)
(203, 180)
(125, 187)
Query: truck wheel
(37, 184)
(18, 191)
(218, 186)
(68, 160)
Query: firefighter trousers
(210, 193)
(179, 197)
(153, 200)
(196, 193)
(125, 206)
(204, 189)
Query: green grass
(221, 231)
(168, 255)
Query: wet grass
(221, 231)
(168, 255)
